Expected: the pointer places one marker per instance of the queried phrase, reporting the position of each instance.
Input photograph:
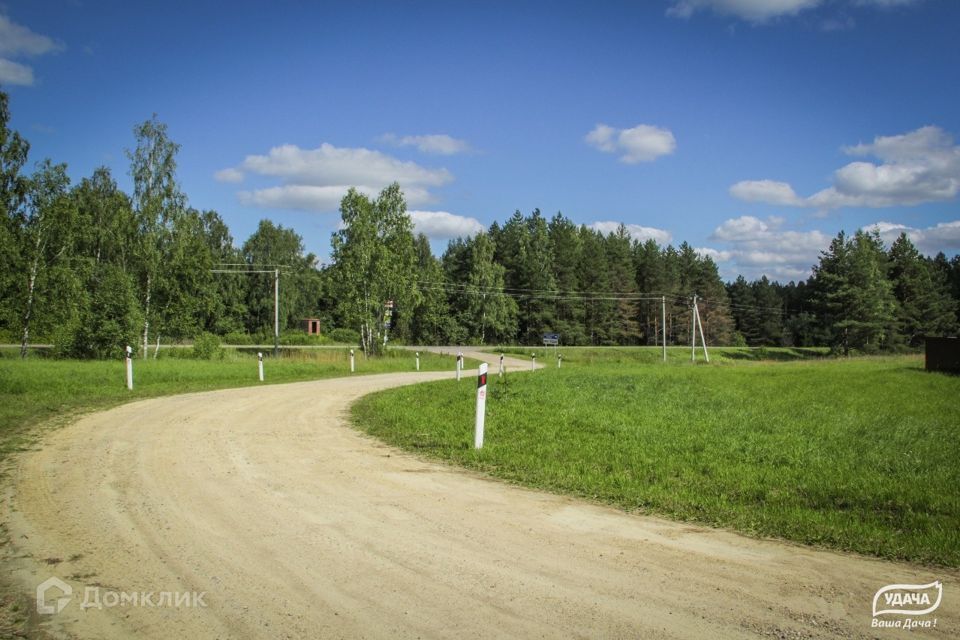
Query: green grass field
(39, 389)
(859, 454)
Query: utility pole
(242, 267)
(663, 324)
(703, 341)
(693, 330)
(276, 312)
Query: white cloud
(642, 143)
(602, 137)
(440, 144)
(716, 255)
(17, 40)
(945, 236)
(768, 191)
(14, 73)
(316, 179)
(329, 165)
(764, 11)
(636, 231)
(325, 199)
(229, 175)
(758, 247)
(443, 225)
(756, 11)
(915, 167)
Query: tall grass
(862, 455)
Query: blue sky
(753, 129)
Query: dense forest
(91, 269)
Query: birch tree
(44, 233)
(157, 201)
(375, 262)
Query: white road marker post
(501, 365)
(459, 365)
(533, 361)
(481, 406)
(353, 366)
(559, 360)
(260, 364)
(129, 368)
(418, 361)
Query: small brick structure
(942, 354)
(311, 326)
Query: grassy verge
(654, 355)
(860, 454)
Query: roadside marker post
(352, 363)
(533, 361)
(260, 364)
(559, 360)
(459, 365)
(418, 361)
(481, 406)
(501, 365)
(129, 368)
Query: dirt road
(292, 525)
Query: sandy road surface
(296, 526)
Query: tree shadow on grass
(778, 354)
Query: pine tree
(566, 255)
(855, 294)
(769, 313)
(925, 307)
(538, 308)
(599, 310)
(743, 307)
(623, 281)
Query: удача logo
(908, 599)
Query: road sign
(551, 339)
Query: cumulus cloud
(768, 191)
(317, 179)
(765, 11)
(756, 247)
(914, 168)
(636, 231)
(439, 144)
(17, 40)
(14, 73)
(229, 175)
(756, 11)
(642, 143)
(442, 225)
(944, 236)
(304, 197)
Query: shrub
(206, 346)
(345, 336)
(237, 337)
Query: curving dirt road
(293, 525)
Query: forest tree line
(91, 269)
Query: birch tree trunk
(31, 285)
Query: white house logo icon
(43, 608)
